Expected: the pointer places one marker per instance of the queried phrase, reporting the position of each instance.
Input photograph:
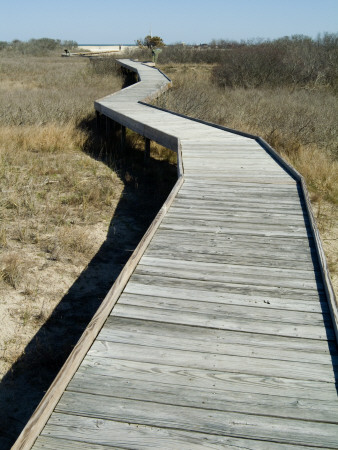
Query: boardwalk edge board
(42, 413)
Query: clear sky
(190, 21)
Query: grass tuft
(12, 269)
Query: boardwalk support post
(98, 121)
(123, 138)
(146, 149)
(108, 127)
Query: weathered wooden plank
(230, 288)
(53, 443)
(199, 252)
(209, 305)
(111, 433)
(261, 278)
(232, 228)
(200, 420)
(200, 182)
(225, 267)
(300, 245)
(237, 205)
(252, 199)
(224, 322)
(237, 175)
(249, 195)
(208, 378)
(221, 148)
(238, 215)
(212, 361)
(262, 244)
(162, 288)
(246, 175)
(254, 221)
(222, 177)
(226, 152)
(228, 166)
(154, 334)
(248, 192)
(225, 141)
(212, 399)
(234, 151)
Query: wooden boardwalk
(223, 329)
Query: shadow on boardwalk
(144, 193)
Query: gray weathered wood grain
(127, 435)
(224, 363)
(200, 420)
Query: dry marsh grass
(52, 192)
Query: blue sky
(190, 21)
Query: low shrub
(36, 47)
(298, 61)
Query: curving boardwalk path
(222, 335)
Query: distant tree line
(294, 61)
(36, 47)
(289, 61)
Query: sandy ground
(22, 313)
